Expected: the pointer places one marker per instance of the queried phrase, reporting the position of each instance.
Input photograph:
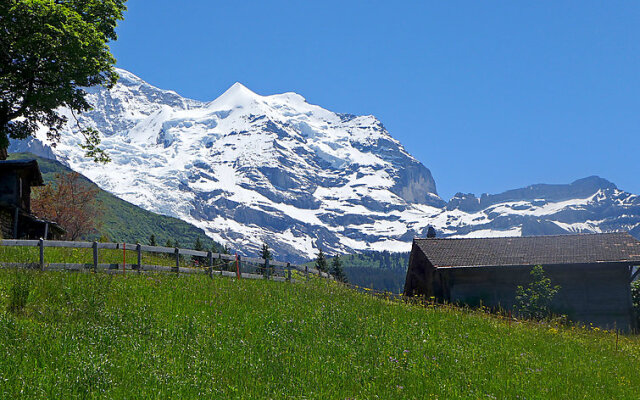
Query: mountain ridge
(250, 169)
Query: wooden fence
(242, 267)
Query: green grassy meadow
(87, 335)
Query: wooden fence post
(95, 256)
(41, 245)
(306, 272)
(210, 257)
(139, 251)
(220, 263)
(288, 272)
(266, 269)
(238, 266)
(177, 260)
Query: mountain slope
(249, 169)
(125, 222)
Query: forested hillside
(380, 270)
(122, 221)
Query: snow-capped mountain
(250, 169)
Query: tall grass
(86, 335)
(30, 255)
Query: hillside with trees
(121, 221)
(380, 270)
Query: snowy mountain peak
(252, 169)
(236, 96)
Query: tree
(535, 301)
(336, 269)
(169, 243)
(49, 51)
(70, 202)
(266, 255)
(198, 247)
(321, 261)
(152, 240)
(635, 298)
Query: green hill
(163, 336)
(125, 222)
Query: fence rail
(245, 267)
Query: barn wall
(419, 280)
(6, 223)
(9, 188)
(590, 293)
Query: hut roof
(531, 250)
(35, 177)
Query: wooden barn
(16, 220)
(593, 270)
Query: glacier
(252, 169)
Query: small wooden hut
(16, 220)
(594, 272)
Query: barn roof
(31, 166)
(531, 250)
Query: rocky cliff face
(251, 169)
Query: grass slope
(123, 221)
(161, 336)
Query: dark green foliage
(336, 269)
(198, 245)
(152, 240)
(376, 259)
(383, 271)
(387, 280)
(266, 269)
(19, 292)
(635, 297)
(48, 51)
(168, 243)
(266, 253)
(104, 239)
(321, 261)
(123, 221)
(534, 301)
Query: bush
(534, 302)
(635, 298)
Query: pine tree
(152, 240)
(169, 243)
(266, 254)
(336, 269)
(321, 261)
(197, 246)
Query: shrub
(534, 301)
(635, 297)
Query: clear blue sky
(489, 95)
